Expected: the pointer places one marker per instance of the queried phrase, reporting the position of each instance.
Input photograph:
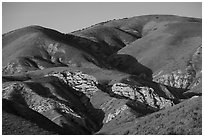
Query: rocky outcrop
(184, 79)
(48, 105)
(177, 79)
(78, 81)
(144, 95)
(15, 91)
(18, 65)
(53, 49)
(123, 90)
(197, 58)
(116, 113)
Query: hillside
(139, 75)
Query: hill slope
(111, 78)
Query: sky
(69, 16)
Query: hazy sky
(67, 17)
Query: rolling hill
(139, 75)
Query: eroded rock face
(177, 79)
(57, 111)
(17, 66)
(184, 79)
(80, 82)
(144, 95)
(54, 48)
(123, 90)
(33, 100)
(197, 58)
(117, 112)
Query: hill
(139, 75)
